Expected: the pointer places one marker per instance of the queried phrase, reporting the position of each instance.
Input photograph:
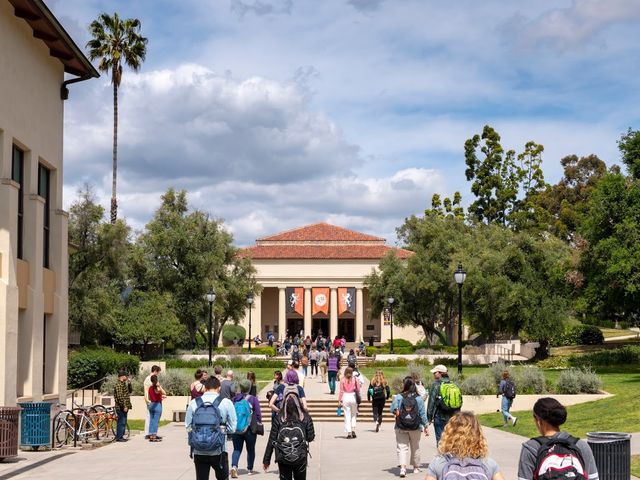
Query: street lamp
(250, 303)
(390, 301)
(211, 297)
(460, 275)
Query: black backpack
(408, 415)
(559, 459)
(379, 392)
(291, 443)
(509, 389)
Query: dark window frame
(44, 190)
(17, 175)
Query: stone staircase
(326, 411)
(362, 361)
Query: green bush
(530, 380)
(93, 363)
(590, 335)
(174, 382)
(267, 350)
(230, 363)
(496, 369)
(479, 384)
(629, 354)
(578, 380)
(554, 362)
(230, 332)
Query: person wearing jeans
(506, 402)
(156, 393)
(122, 400)
(332, 371)
(435, 413)
(248, 437)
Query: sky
(274, 114)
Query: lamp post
(390, 301)
(211, 297)
(250, 303)
(460, 275)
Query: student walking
(291, 432)
(277, 381)
(122, 400)
(323, 356)
(508, 391)
(555, 448)
(441, 408)
(246, 406)
(313, 360)
(209, 419)
(378, 393)
(463, 452)
(347, 399)
(156, 394)
(332, 371)
(411, 421)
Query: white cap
(439, 368)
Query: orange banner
(346, 300)
(295, 300)
(320, 300)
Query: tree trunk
(542, 351)
(114, 198)
(191, 326)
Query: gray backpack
(464, 469)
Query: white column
(58, 338)
(333, 317)
(359, 315)
(282, 313)
(307, 311)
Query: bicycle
(78, 424)
(108, 422)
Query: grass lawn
(635, 465)
(614, 332)
(139, 424)
(620, 413)
(263, 375)
(582, 349)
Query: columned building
(313, 280)
(35, 54)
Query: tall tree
(116, 41)
(187, 253)
(629, 145)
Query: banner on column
(320, 300)
(295, 300)
(346, 300)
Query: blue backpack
(206, 434)
(243, 414)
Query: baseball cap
(123, 373)
(439, 368)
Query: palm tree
(115, 42)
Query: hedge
(232, 332)
(90, 364)
(231, 363)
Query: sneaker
(353, 435)
(349, 435)
(416, 470)
(377, 427)
(403, 472)
(251, 472)
(514, 420)
(234, 472)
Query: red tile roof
(321, 232)
(327, 252)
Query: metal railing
(83, 389)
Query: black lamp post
(390, 301)
(250, 303)
(211, 297)
(460, 275)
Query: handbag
(257, 428)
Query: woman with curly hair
(463, 449)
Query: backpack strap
(199, 402)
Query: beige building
(35, 54)
(313, 279)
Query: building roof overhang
(48, 29)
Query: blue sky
(277, 113)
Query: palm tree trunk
(114, 199)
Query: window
(17, 175)
(44, 191)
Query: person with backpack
(208, 420)
(277, 380)
(411, 420)
(555, 454)
(290, 385)
(314, 355)
(378, 393)
(247, 409)
(333, 365)
(507, 388)
(445, 399)
(352, 360)
(463, 452)
(291, 432)
(348, 401)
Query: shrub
(176, 382)
(590, 335)
(554, 362)
(496, 369)
(230, 332)
(230, 363)
(529, 380)
(479, 384)
(93, 363)
(136, 383)
(629, 354)
(400, 342)
(266, 350)
(578, 380)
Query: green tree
(187, 253)
(97, 268)
(147, 317)
(609, 262)
(116, 42)
(629, 145)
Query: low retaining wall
(215, 358)
(475, 359)
(490, 404)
